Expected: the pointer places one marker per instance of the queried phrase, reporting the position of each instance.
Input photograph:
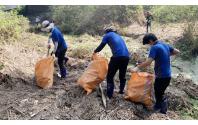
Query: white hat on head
(47, 26)
(45, 23)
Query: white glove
(136, 69)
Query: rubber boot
(63, 73)
(157, 107)
(122, 85)
(110, 88)
(164, 106)
(66, 59)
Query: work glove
(136, 69)
(49, 46)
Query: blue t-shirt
(116, 43)
(58, 37)
(161, 53)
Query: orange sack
(44, 70)
(140, 89)
(94, 74)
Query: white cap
(45, 23)
(47, 26)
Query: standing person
(119, 60)
(37, 20)
(60, 46)
(160, 52)
(149, 19)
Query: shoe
(121, 92)
(59, 75)
(164, 106)
(157, 107)
(122, 85)
(66, 59)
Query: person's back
(118, 61)
(162, 59)
(117, 44)
(58, 36)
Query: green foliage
(1, 66)
(191, 113)
(20, 10)
(172, 14)
(188, 44)
(12, 25)
(91, 19)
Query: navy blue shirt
(116, 43)
(58, 37)
(161, 53)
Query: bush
(12, 26)
(172, 14)
(91, 19)
(188, 44)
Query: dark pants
(61, 60)
(115, 64)
(148, 25)
(160, 86)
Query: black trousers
(160, 86)
(148, 25)
(61, 60)
(115, 64)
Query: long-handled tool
(103, 96)
(48, 52)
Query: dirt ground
(22, 99)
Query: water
(188, 68)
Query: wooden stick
(103, 96)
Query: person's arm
(142, 65)
(146, 63)
(175, 52)
(55, 46)
(102, 45)
(49, 42)
(151, 57)
(55, 40)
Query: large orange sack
(94, 74)
(140, 89)
(44, 70)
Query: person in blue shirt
(160, 52)
(118, 61)
(60, 46)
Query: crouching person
(60, 46)
(160, 52)
(119, 60)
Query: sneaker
(164, 106)
(59, 75)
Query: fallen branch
(103, 96)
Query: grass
(83, 46)
(191, 113)
(1, 65)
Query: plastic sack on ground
(44, 70)
(94, 74)
(140, 89)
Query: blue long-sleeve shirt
(57, 36)
(116, 43)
